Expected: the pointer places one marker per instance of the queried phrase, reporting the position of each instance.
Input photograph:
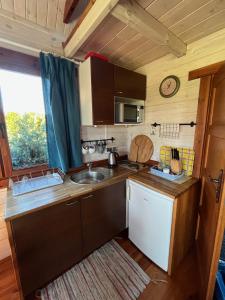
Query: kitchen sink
(91, 176)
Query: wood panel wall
(183, 106)
(4, 242)
(180, 108)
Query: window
(23, 108)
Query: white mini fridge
(150, 222)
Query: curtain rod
(61, 56)
(30, 50)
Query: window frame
(23, 63)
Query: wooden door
(129, 84)
(211, 228)
(102, 79)
(103, 215)
(47, 243)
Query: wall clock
(169, 86)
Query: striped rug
(109, 273)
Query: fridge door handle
(128, 192)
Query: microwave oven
(129, 111)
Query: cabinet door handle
(72, 203)
(119, 92)
(87, 197)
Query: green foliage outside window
(27, 139)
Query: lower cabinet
(103, 215)
(47, 243)
(50, 241)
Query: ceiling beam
(98, 11)
(69, 8)
(80, 20)
(9, 44)
(130, 13)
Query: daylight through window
(23, 105)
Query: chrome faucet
(89, 165)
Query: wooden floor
(182, 286)
(8, 286)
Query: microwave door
(119, 112)
(130, 113)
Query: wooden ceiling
(36, 24)
(190, 20)
(39, 24)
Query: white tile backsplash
(186, 137)
(120, 133)
(124, 134)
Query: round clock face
(169, 86)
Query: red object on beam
(94, 54)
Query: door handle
(138, 114)
(214, 180)
(128, 192)
(72, 203)
(218, 181)
(87, 197)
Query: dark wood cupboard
(102, 92)
(99, 82)
(129, 84)
(103, 215)
(96, 80)
(47, 243)
(50, 241)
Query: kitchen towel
(169, 130)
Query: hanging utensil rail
(192, 124)
(112, 139)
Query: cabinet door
(102, 77)
(103, 215)
(129, 84)
(150, 220)
(47, 243)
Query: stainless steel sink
(94, 175)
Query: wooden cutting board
(141, 149)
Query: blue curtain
(61, 97)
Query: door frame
(206, 75)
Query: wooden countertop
(161, 185)
(30, 202)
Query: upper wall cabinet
(99, 82)
(129, 84)
(96, 78)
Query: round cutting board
(141, 149)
